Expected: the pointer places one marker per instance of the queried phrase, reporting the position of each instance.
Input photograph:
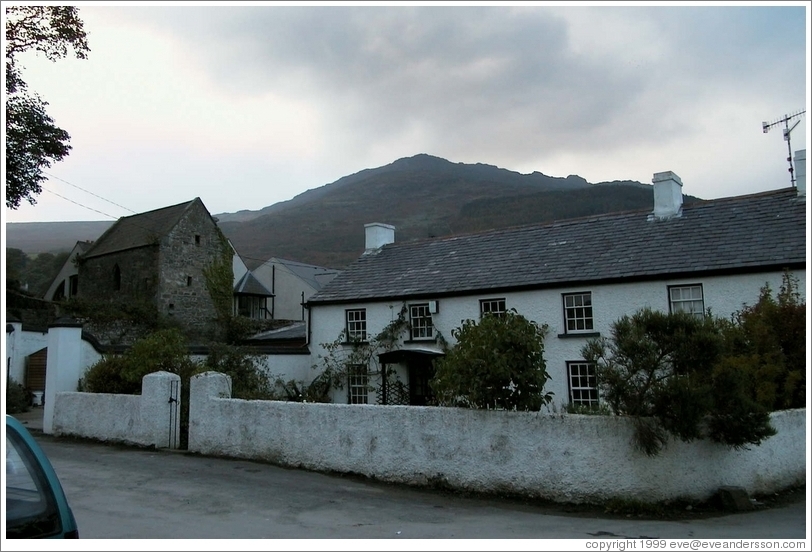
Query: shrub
(249, 380)
(18, 398)
(670, 373)
(498, 362)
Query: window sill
(583, 335)
(423, 340)
(359, 342)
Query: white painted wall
(148, 419)
(723, 295)
(568, 458)
(20, 344)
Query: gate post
(62, 367)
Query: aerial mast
(765, 126)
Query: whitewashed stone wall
(568, 458)
(148, 419)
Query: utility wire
(88, 192)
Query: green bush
(249, 380)
(107, 376)
(498, 362)
(673, 375)
(18, 398)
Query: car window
(31, 508)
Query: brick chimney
(667, 195)
(377, 235)
(800, 172)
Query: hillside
(422, 196)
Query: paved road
(127, 493)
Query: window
(197, 239)
(583, 384)
(493, 306)
(116, 278)
(74, 285)
(188, 281)
(356, 324)
(357, 384)
(687, 299)
(420, 319)
(578, 312)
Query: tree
(671, 374)
(768, 345)
(497, 362)
(33, 141)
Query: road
(129, 493)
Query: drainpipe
(273, 291)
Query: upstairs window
(687, 299)
(116, 278)
(188, 281)
(356, 320)
(197, 239)
(578, 312)
(420, 320)
(493, 306)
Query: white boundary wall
(566, 458)
(148, 419)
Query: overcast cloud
(248, 106)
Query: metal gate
(174, 413)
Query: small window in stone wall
(197, 239)
(188, 281)
(171, 309)
(116, 278)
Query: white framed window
(420, 320)
(356, 324)
(583, 383)
(493, 306)
(578, 312)
(358, 384)
(687, 298)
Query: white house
(291, 284)
(66, 283)
(577, 276)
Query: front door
(421, 370)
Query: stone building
(159, 258)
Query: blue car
(36, 506)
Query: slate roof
(249, 285)
(753, 233)
(315, 276)
(138, 230)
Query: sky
(248, 105)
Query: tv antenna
(765, 126)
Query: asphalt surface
(120, 492)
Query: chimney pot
(667, 195)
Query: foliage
(135, 317)
(249, 380)
(107, 376)
(32, 274)
(18, 398)
(668, 372)
(343, 355)
(33, 141)
(317, 391)
(767, 344)
(497, 362)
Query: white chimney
(800, 172)
(377, 235)
(667, 195)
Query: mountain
(422, 196)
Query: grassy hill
(422, 196)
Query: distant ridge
(423, 196)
